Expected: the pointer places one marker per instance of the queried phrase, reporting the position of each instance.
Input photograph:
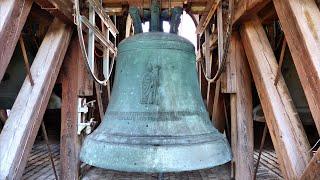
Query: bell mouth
(156, 158)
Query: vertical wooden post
(241, 116)
(285, 127)
(75, 83)
(19, 133)
(13, 15)
(207, 52)
(69, 142)
(218, 111)
(208, 61)
(300, 24)
(203, 83)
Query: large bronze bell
(156, 120)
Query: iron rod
(43, 128)
(265, 130)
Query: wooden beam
(203, 83)
(13, 15)
(85, 81)
(285, 127)
(206, 17)
(268, 14)
(73, 65)
(63, 9)
(300, 23)
(21, 128)
(245, 8)
(195, 6)
(208, 60)
(218, 111)
(241, 118)
(210, 97)
(3, 116)
(207, 52)
(228, 77)
(312, 171)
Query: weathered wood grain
(210, 10)
(26, 115)
(69, 141)
(312, 171)
(245, 8)
(241, 118)
(13, 15)
(63, 9)
(218, 111)
(287, 133)
(301, 26)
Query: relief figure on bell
(150, 84)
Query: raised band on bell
(156, 120)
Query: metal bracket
(83, 109)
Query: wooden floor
(39, 167)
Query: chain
(226, 45)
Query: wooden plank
(287, 133)
(13, 15)
(85, 81)
(208, 61)
(268, 14)
(218, 111)
(312, 171)
(99, 100)
(207, 52)
(228, 77)
(218, 114)
(300, 23)
(228, 84)
(21, 128)
(70, 145)
(220, 28)
(196, 7)
(63, 9)
(210, 97)
(243, 9)
(203, 83)
(241, 119)
(206, 17)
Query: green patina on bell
(156, 120)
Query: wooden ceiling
(195, 6)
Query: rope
(225, 48)
(78, 22)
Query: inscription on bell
(150, 85)
(156, 120)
